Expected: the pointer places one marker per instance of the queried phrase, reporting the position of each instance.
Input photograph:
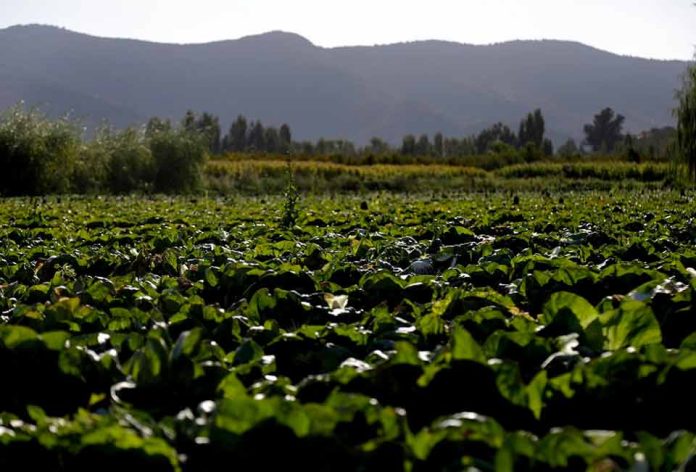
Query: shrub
(37, 155)
(686, 123)
(115, 162)
(130, 165)
(178, 157)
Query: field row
(270, 176)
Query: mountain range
(346, 92)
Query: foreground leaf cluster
(532, 333)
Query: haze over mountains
(349, 92)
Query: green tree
(686, 122)
(322, 147)
(605, 131)
(423, 147)
(255, 139)
(460, 147)
(209, 126)
(236, 138)
(532, 130)
(568, 149)
(656, 143)
(271, 140)
(439, 145)
(189, 121)
(408, 145)
(306, 148)
(285, 138)
(377, 146)
(498, 133)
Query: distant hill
(350, 92)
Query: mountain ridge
(351, 92)
(290, 34)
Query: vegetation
(179, 156)
(120, 159)
(604, 134)
(290, 210)
(43, 156)
(541, 331)
(263, 176)
(37, 155)
(686, 127)
(254, 137)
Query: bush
(130, 164)
(115, 162)
(37, 155)
(178, 157)
(686, 123)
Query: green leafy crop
(374, 333)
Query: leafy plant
(37, 154)
(291, 196)
(177, 334)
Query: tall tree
(496, 133)
(206, 125)
(189, 121)
(605, 131)
(209, 126)
(532, 130)
(236, 139)
(271, 140)
(423, 147)
(439, 145)
(460, 147)
(378, 146)
(285, 138)
(686, 122)
(408, 145)
(255, 141)
(322, 147)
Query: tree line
(604, 134)
(243, 136)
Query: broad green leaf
(405, 353)
(13, 336)
(565, 302)
(248, 352)
(187, 343)
(535, 393)
(55, 340)
(464, 347)
(261, 302)
(632, 324)
(231, 387)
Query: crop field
(536, 331)
(261, 176)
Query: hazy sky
(647, 28)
